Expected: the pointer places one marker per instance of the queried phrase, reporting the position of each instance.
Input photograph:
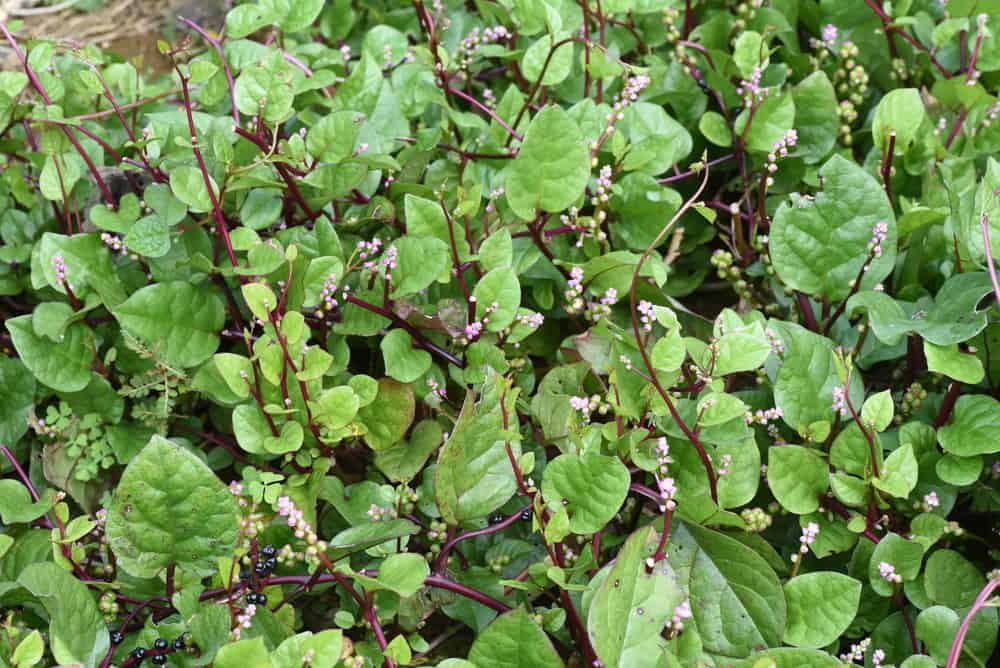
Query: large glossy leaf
(632, 604)
(474, 474)
(77, 632)
(552, 167)
(169, 508)
(592, 487)
(63, 365)
(835, 594)
(819, 247)
(514, 640)
(178, 320)
(737, 600)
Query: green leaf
(474, 476)
(742, 350)
(591, 487)
(402, 461)
(954, 363)
(819, 247)
(748, 52)
(898, 475)
(905, 556)
(657, 141)
(17, 393)
(736, 598)
(149, 237)
(787, 657)
(514, 640)
(332, 139)
(959, 470)
(17, 506)
(773, 118)
(265, 88)
(246, 19)
(319, 650)
(178, 320)
(632, 604)
(77, 632)
(877, 411)
(170, 508)
(403, 573)
(500, 292)
(63, 366)
(552, 168)
(817, 119)
(420, 261)
(29, 651)
(251, 653)
(364, 536)
(559, 65)
(389, 415)
(952, 580)
(402, 361)
(797, 477)
(974, 424)
(714, 128)
(900, 111)
(835, 594)
(188, 184)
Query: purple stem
(486, 110)
(442, 558)
(20, 472)
(984, 224)
(977, 605)
(217, 45)
(298, 63)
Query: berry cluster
(157, 654)
(726, 269)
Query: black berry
(271, 563)
(252, 598)
(244, 574)
(138, 654)
(178, 643)
(269, 550)
(117, 637)
(159, 659)
(261, 599)
(261, 568)
(160, 644)
(526, 514)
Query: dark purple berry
(117, 637)
(159, 659)
(178, 644)
(160, 644)
(138, 654)
(269, 550)
(261, 599)
(271, 563)
(526, 514)
(261, 569)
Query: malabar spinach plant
(505, 333)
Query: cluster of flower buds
(634, 85)
(839, 403)
(665, 485)
(493, 196)
(244, 620)
(913, 398)
(778, 151)
(928, 503)
(671, 20)
(857, 652)
(808, 537)
(377, 513)
(587, 226)
(757, 519)
(114, 243)
(751, 90)
(880, 233)
(599, 309)
(475, 329)
(763, 417)
(574, 291)
(328, 297)
(887, 572)
(368, 250)
(586, 406)
(476, 38)
(603, 188)
(675, 624)
(497, 563)
(725, 268)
